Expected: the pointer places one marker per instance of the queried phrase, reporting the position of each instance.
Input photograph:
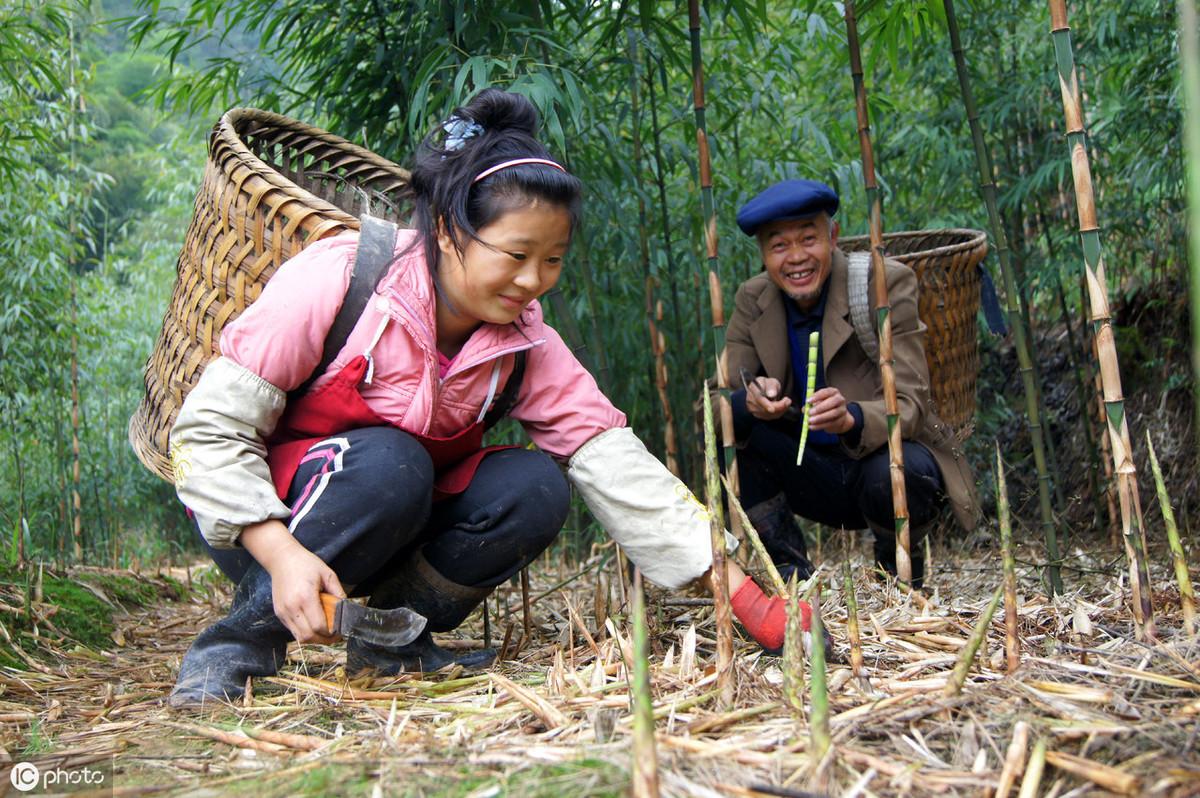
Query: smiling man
(844, 479)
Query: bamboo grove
(673, 115)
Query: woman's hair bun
(498, 111)
(457, 183)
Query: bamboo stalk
(883, 306)
(955, 684)
(1033, 416)
(1132, 527)
(301, 742)
(565, 321)
(526, 614)
(600, 604)
(1189, 61)
(663, 205)
(1074, 351)
(1109, 481)
(1033, 771)
(657, 341)
(1080, 369)
(487, 621)
(645, 758)
(722, 610)
(819, 720)
(1187, 596)
(715, 297)
(1024, 287)
(20, 522)
(1012, 643)
(581, 255)
(1014, 759)
(1105, 776)
(623, 588)
(76, 497)
(814, 340)
(229, 738)
(755, 541)
(543, 709)
(852, 630)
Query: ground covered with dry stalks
(1090, 711)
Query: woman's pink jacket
(281, 336)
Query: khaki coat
(757, 341)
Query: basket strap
(376, 251)
(990, 303)
(857, 277)
(508, 397)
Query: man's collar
(838, 304)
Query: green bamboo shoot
(793, 654)
(852, 631)
(819, 721)
(814, 339)
(1012, 643)
(1187, 596)
(967, 656)
(721, 607)
(645, 758)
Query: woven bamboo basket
(272, 186)
(946, 263)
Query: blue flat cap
(788, 199)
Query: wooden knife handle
(329, 604)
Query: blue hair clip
(458, 131)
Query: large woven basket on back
(946, 263)
(272, 186)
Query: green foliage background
(104, 107)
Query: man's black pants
(832, 488)
(362, 502)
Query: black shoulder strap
(508, 397)
(376, 251)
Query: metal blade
(377, 626)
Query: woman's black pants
(362, 502)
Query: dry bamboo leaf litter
(1125, 720)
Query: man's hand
(297, 579)
(827, 411)
(763, 399)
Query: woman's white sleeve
(218, 454)
(644, 507)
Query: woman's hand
(297, 579)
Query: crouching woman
(371, 479)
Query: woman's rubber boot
(782, 537)
(446, 604)
(249, 641)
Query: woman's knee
(394, 470)
(524, 499)
(542, 495)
